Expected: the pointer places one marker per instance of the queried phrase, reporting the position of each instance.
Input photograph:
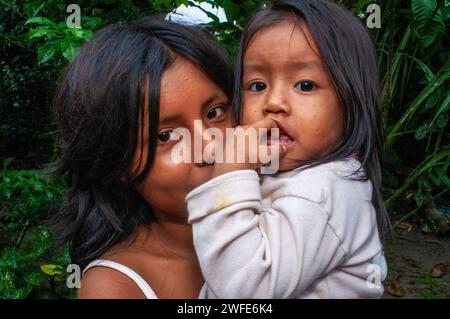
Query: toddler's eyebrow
(311, 64)
(297, 65)
(255, 67)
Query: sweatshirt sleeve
(248, 249)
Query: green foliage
(23, 269)
(428, 21)
(58, 38)
(433, 172)
(24, 194)
(432, 288)
(26, 127)
(413, 56)
(27, 199)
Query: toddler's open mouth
(283, 139)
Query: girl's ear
(127, 180)
(124, 179)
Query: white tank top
(138, 280)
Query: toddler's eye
(257, 86)
(305, 86)
(165, 136)
(215, 112)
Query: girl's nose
(199, 143)
(277, 103)
(201, 163)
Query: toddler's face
(284, 79)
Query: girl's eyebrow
(170, 118)
(176, 117)
(208, 101)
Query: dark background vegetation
(35, 45)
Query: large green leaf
(439, 79)
(42, 21)
(443, 107)
(69, 48)
(52, 270)
(422, 66)
(421, 169)
(40, 32)
(83, 34)
(232, 10)
(429, 21)
(46, 51)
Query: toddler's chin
(287, 165)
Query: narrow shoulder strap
(140, 282)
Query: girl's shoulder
(108, 283)
(121, 272)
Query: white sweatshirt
(306, 233)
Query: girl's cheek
(227, 123)
(167, 174)
(164, 158)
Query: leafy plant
(25, 194)
(415, 65)
(58, 38)
(428, 21)
(27, 199)
(24, 271)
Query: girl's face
(186, 94)
(284, 78)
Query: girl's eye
(257, 86)
(164, 136)
(305, 86)
(215, 112)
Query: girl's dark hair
(98, 107)
(348, 55)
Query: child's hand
(248, 149)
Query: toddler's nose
(277, 103)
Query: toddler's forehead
(287, 40)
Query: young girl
(311, 230)
(116, 107)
